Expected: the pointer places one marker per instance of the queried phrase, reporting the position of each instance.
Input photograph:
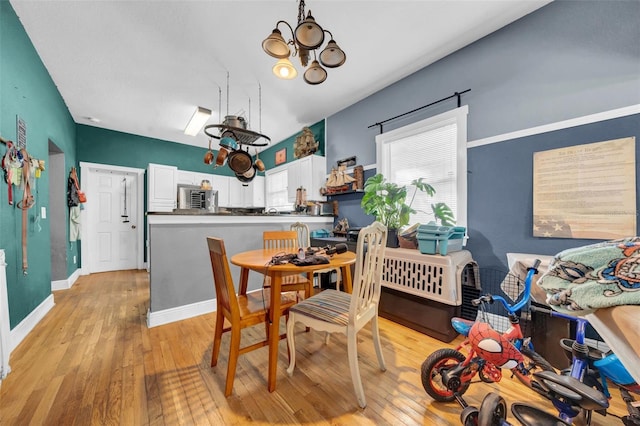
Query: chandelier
(307, 37)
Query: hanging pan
(240, 161)
(208, 156)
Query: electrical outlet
(74, 260)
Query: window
(277, 181)
(434, 149)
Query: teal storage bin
(434, 239)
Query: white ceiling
(143, 66)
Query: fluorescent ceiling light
(199, 117)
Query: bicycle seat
(461, 325)
(572, 389)
(529, 415)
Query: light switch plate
(43, 212)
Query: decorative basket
(408, 243)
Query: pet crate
(424, 292)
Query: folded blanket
(583, 279)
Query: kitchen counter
(180, 277)
(202, 212)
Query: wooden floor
(93, 361)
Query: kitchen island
(181, 281)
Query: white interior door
(113, 213)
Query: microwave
(192, 197)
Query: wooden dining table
(259, 261)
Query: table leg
(308, 291)
(346, 277)
(244, 281)
(274, 329)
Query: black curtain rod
(456, 94)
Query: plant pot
(392, 238)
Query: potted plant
(387, 202)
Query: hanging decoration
(20, 170)
(305, 144)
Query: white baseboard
(179, 313)
(21, 331)
(65, 284)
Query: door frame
(86, 170)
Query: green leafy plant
(387, 201)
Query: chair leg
(376, 342)
(338, 279)
(234, 352)
(217, 338)
(291, 344)
(352, 348)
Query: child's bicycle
(447, 373)
(595, 367)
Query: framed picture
(281, 156)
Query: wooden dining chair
(336, 311)
(287, 241)
(240, 311)
(304, 240)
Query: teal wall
(103, 146)
(27, 91)
(268, 155)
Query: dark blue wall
(500, 189)
(566, 60)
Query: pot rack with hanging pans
(236, 127)
(242, 136)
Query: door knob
(133, 227)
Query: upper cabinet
(221, 184)
(310, 173)
(161, 188)
(246, 195)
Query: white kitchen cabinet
(308, 172)
(161, 188)
(221, 184)
(249, 195)
(257, 196)
(186, 177)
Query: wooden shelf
(351, 191)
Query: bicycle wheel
(533, 361)
(431, 374)
(492, 410)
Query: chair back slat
(368, 276)
(226, 298)
(304, 238)
(282, 240)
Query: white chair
(304, 241)
(336, 311)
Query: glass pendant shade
(332, 56)
(275, 46)
(315, 74)
(309, 34)
(284, 69)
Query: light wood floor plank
(92, 361)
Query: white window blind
(433, 149)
